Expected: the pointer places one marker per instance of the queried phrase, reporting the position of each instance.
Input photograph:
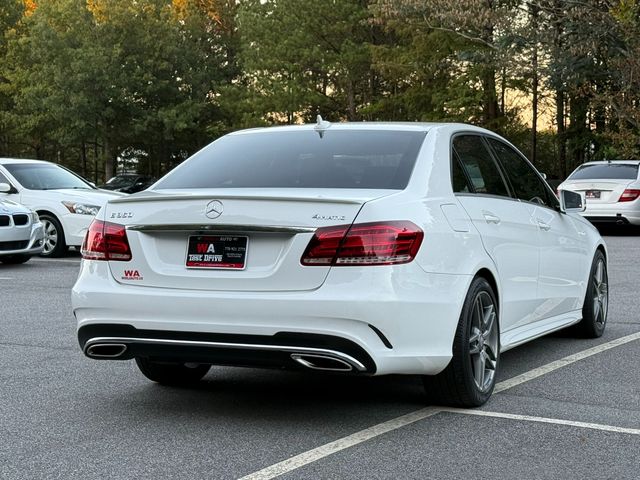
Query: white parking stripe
(318, 453)
(311, 456)
(555, 421)
(563, 362)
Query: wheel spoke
(479, 369)
(598, 275)
(477, 314)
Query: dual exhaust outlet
(312, 361)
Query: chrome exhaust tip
(322, 362)
(105, 350)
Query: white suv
(65, 202)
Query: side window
(525, 181)
(459, 180)
(479, 165)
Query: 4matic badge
(340, 218)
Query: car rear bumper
(389, 319)
(613, 213)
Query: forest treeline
(96, 83)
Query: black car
(128, 183)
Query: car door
(504, 225)
(563, 243)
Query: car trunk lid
(271, 227)
(599, 191)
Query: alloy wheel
(483, 341)
(600, 293)
(50, 236)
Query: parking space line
(555, 421)
(330, 448)
(563, 362)
(327, 449)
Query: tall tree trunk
(84, 159)
(109, 159)
(534, 11)
(561, 138)
(351, 102)
(490, 107)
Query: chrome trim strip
(199, 227)
(241, 346)
(154, 196)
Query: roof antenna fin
(321, 125)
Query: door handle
(543, 226)
(491, 218)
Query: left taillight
(379, 243)
(106, 241)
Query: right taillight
(106, 241)
(629, 195)
(379, 243)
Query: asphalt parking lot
(566, 408)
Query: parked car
(356, 248)
(65, 202)
(21, 232)
(611, 188)
(128, 183)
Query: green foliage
(84, 82)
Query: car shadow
(618, 230)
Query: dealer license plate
(592, 194)
(217, 251)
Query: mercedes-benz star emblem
(214, 209)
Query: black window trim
(452, 151)
(505, 175)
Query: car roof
(382, 126)
(618, 162)
(4, 161)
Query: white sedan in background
(611, 189)
(21, 232)
(356, 248)
(65, 202)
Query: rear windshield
(607, 170)
(302, 159)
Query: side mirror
(544, 175)
(572, 202)
(5, 188)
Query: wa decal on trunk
(132, 275)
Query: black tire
(54, 244)
(15, 259)
(596, 300)
(458, 385)
(171, 373)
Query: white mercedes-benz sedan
(611, 188)
(356, 248)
